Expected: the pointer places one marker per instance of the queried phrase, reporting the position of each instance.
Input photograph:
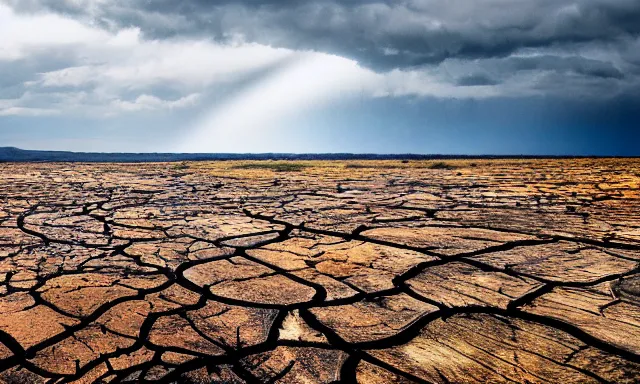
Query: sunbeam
(243, 123)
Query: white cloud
(21, 111)
(21, 35)
(126, 60)
(105, 69)
(150, 102)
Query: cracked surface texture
(485, 271)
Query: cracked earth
(376, 272)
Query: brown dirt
(321, 272)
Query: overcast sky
(421, 76)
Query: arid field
(474, 271)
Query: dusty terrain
(320, 272)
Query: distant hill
(12, 154)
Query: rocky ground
(320, 272)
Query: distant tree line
(12, 154)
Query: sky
(503, 77)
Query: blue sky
(432, 76)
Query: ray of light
(243, 122)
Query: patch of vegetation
(273, 166)
(441, 165)
(180, 166)
(359, 166)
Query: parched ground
(319, 272)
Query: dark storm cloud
(380, 34)
(475, 80)
(562, 65)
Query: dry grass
(261, 169)
(273, 166)
(386, 164)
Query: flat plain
(475, 271)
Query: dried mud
(380, 272)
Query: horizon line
(212, 156)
